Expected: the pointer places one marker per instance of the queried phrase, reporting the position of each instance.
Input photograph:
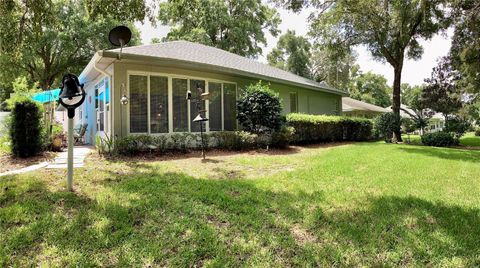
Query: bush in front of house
(440, 139)
(323, 128)
(26, 129)
(384, 126)
(457, 126)
(477, 132)
(259, 109)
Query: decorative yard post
(71, 96)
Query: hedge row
(323, 128)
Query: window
(180, 105)
(195, 105)
(293, 102)
(215, 106)
(101, 112)
(138, 104)
(158, 104)
(229, 106)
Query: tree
(234, 26)
(441, 93)
(412, 97)
(292, 53)
(333, 66)
(371, 88)
(390, 29)
(49, 38)
(465, 49)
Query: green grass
(469, 139)
(365, 204)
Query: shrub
(235, 140)
(258, 109)
(408, 125)
(439, 139)
(457, 126)
(385, 125)
(322, 128)
(26, 129)
(477, 132)
(281, 139)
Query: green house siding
(309, 101)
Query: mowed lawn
(364, 204)
(468, 140)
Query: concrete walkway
(25, 169)
(79, 154)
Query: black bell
(70, 87)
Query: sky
(414, 72)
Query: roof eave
(127, 56)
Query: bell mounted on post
(72, 94)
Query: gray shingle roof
(349, 104)
(201, 54)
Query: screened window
(230, 106)
(293, 102)
(180, 105)
(158, 104)
(215, 106)
(195, 104)
(138, 104)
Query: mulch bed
(8, 162)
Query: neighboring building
(156, 78)
(436, 123)
(352, 107)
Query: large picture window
(215, 106)
(138, 104)
(180, 105)
(153, 110)
(158, 104)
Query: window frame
(296, 101)
(170, 77)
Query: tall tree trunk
(397, 135)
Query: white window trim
(170, 77)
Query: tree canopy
(389, 29)
(371, 88)
(292, 53)
(44, 39)
(235, 26)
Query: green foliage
(385, 125)
(457, 126)
(441, 93)
(259, 109)
(234, 26)
(292, 53)
(283, 137)
(46, 39)
(408, 125)
(371, 88)
(235, 140)
(21, 92)
(439, 139)
(323, 128)
(477, 132)
(333, 65)
(26, 129)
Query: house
(435, 124)
(352, 107)
(155, 80)
(49, 101)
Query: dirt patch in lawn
(8, 162)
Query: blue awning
(47, 96)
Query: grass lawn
(364, 204)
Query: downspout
(112, 96)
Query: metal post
(70, 153)
(203, 144)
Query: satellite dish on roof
(120, 36)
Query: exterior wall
(309, 101)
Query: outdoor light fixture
(71, 97)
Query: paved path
(25, 169)
(79, 154)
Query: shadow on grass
(171, 219)
(445, 153)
